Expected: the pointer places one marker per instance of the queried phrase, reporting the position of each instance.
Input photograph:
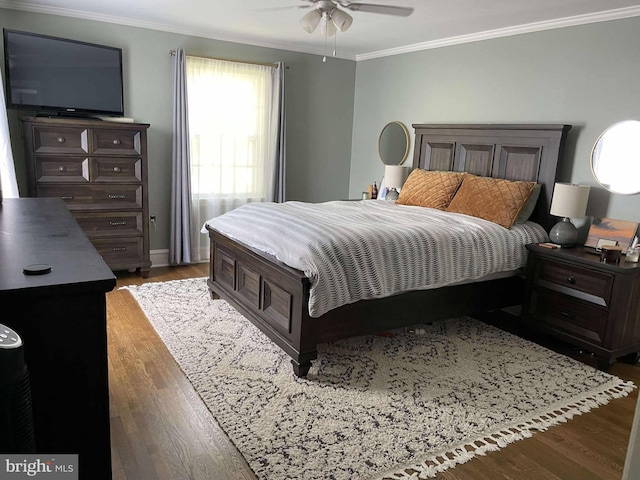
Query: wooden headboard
(513, 152)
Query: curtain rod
(273, 65)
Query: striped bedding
(356, 250)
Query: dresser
(99, 169)
(61, 317)
(571, 295)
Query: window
(233, 117)
(229, 125)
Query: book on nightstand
(549, 245)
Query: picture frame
(608, 231)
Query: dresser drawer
(62, 169)
(96, 196)
(569, 315)
(117, 141)
(573, 280)
(110, 224)
(116, 170)
(119, 250)
(60, 140)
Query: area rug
(403, 406)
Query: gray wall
(585, 76)
(319, 105)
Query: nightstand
(571, 295)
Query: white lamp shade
(342, 20)
(570, 200)
(395, 176)
(311, 20)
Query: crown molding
(608, 15)
(66, 12)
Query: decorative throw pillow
(530, 204)
(497, 200)
(433, 189)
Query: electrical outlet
(152, 219)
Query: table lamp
(394, 178)
(569, 201)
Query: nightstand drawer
(571, 316)
(573, 280)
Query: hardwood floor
(160, 429)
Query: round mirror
(615, 158)
(393, 144)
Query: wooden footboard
(275, 297)
(270, 294)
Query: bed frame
(275, 297)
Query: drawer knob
(60, 139)
(116, 141)
(116, 197)
(116, 224)
(117, 169)
(66, 198)
(62, 168)
(571, 280)
(119, 249)
(568, 314)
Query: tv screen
(66, 76)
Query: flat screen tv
(55, 75)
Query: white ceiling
(433, 23)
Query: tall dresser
(99, 169)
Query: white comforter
(355, 250)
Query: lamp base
(564, 233)
(392, 194)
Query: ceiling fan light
(311, 20)
(327, 27)
(342, 20)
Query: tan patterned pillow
(433, 189)
(497, 200)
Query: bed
(276, 297)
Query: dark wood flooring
(160, 429)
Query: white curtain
(235, 130)
(8, 184)
(180, 235)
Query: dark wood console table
(61, 317)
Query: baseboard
(159, 258)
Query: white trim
(604, 16)
(616, 14)
(99, 17)
(159, 258)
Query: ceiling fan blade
(374, 8)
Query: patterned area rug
(405, 406)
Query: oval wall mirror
(615, 158)
(393, 144)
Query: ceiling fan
(335, 18)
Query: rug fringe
(457, 455)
